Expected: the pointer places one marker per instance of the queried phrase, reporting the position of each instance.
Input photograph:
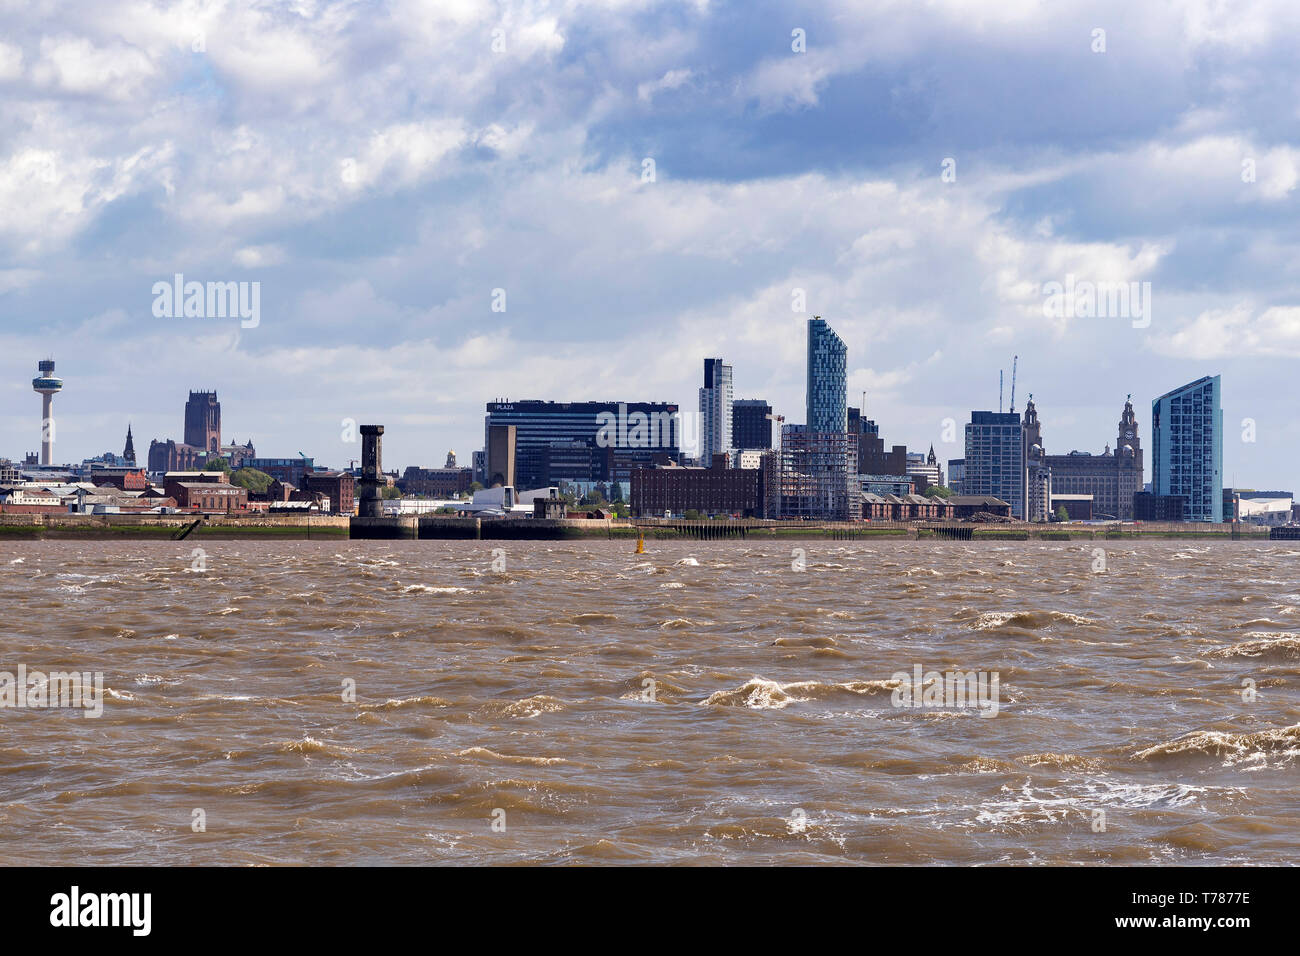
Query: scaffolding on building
(815, 477)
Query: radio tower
(48, 386)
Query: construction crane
(1014, 360)
(779, 420)
(999, 391)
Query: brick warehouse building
(718, 490)
(436, 482)
(207, 495)
(338, 486)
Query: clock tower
(1128, 460)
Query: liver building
(1112, 478)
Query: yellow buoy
(640, 543)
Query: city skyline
(821, 327)
(699, 196)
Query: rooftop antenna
(1014, 360)
(999, 391)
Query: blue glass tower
(827, 396)
(1187, 448)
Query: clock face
(1129, 433)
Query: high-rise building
(203, 422)
(618, 436)
(751, 426)
(1187, 447)
(995, 458)
(819, 459)
(47, 386)
(715, 410)
(827, 395)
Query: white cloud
(1238, 332)
(11, 61)
(253, 257)
(672, 80)
(405, 153)
(75, 65)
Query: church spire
(128, 453)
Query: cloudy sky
(382, 168)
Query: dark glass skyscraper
(750, 426)
(585, 441)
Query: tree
(390, 493)
(1061, 513)
(691, 514)
(616, 491)
(475, 486)
(217, 464)
(252, 479)
(940, 490)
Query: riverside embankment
(189, 527)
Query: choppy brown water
(771, 738)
